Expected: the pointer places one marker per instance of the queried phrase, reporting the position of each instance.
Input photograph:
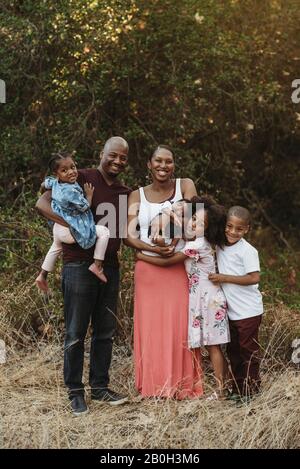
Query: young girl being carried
(72, 204)
(208, 322)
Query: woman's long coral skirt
(164, 366)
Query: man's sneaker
(79, 406)
(109, 397)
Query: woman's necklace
(165, 195)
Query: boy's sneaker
(109, 397)
(213, 397)
(233, 397)
(79, 406)
(243, 400)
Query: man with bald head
(86, 298)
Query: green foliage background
(211, 78)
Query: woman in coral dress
(164, 365)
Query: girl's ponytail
(53, 163)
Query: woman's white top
(149, 210)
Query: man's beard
(113, 175)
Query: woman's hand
(138, 255)
(165, 251)
(161, 261)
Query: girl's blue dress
(69, 202)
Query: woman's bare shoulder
(188, 188)
(148, 188)
(187, 182)
(134, 196)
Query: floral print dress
(208, 321)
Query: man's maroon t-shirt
(103, 193)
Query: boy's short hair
(240, 212)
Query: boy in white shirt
(239, 268)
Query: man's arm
(249, 279)
(162, 261)
(43, 188)
(43, 206)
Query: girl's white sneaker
(213, 397)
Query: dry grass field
(35, 411)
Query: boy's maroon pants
(243, 353)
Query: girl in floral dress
(208, 322)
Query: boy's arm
(249, 279)
(43, 206)
(162, 261)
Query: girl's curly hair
(216, 215)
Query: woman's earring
(149, 175)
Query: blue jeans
(87, 299)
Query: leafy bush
(210, 78)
